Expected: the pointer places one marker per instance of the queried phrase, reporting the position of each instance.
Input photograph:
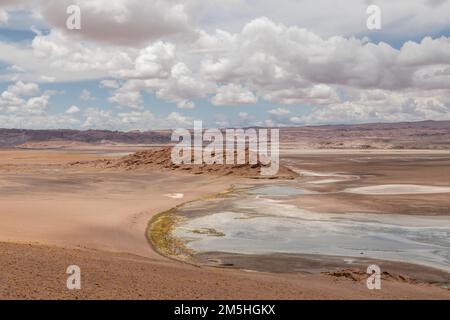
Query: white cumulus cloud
(72, 110)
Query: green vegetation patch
(161, 238)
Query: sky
(158, 64)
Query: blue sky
(228, 63)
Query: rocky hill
(160, 159)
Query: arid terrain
(407, 135)
(85, 199)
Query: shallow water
(278, 191)
(253, 224)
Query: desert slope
(38, 272)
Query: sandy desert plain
(151, 232)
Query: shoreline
(176, 249)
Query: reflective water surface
(249, 222)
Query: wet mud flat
(375, 181)
(332, 265)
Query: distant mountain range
(17, 137)
(405, 135)
(402, 135)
